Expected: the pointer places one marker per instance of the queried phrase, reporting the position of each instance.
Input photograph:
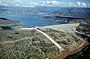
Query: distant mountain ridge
(73, 12)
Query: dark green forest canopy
(7, 22)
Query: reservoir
(31, 20)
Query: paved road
(54, 42)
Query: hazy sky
(64, 3)
(85, 1)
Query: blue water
(31, 20)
